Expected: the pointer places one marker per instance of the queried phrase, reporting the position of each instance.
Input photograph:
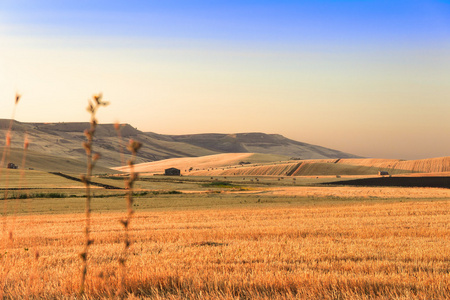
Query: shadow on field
(106, 186)
(425, 181)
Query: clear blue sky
(366, 77)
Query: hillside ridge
(64, 139)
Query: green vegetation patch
(39, 195)
(55, 195)
(220, 184)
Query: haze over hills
(57, 147)
(256, 142)
(65, 140)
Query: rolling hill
(268, 165)
(208, 163)
(65, 140)
(57, 147)
(259, 143)
(51, 163)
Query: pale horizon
(368, 78)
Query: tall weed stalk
(92, 158)
(133, 147)
(5, 154)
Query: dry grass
(228, 165)
(279, 169)
(206, 163)
(429, 165)
(360, 192)
(354, 251)
(50, 163)
(378, 251)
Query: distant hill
(257, 142)
(51, 163)
(65, 140)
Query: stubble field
(229, 242)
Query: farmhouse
(172, 172)
(12, 166)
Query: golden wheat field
(383, 250)
(265, 165)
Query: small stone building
(172, 172)
(12, 166)
(383, 173)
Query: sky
(366, 77)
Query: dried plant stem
(91, 160)
(6, 192)
(133, 147)
(119, 137)
(26, 143)
(36, 253)
(21, 181)
(5, 155)
(8, 134)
